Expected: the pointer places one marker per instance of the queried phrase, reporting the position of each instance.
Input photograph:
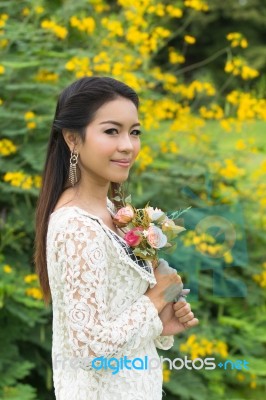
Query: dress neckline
(93, 216)
(146, 272)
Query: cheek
(106, 148)
(100, 145)
(137, 147)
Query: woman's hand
(169, 285)
(177, 317)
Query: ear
(71, 139)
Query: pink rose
(131, 238)
(124, 216)
(155, 237)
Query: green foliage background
(188, 159)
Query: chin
(119, 180)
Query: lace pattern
(99, 310)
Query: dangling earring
(73, 168)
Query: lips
(124, 160)
(123, 163)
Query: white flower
(154, 213)
(145, 233)
(156, 237)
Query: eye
(110, 131)
(137, 132)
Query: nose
(125, 143)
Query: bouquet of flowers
(149, 229)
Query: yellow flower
(233, 36)
(183, 347)
(34, 292)
(166, 373)
(37, 181)
(144, 158)
(29, 115)
(260, 278)
(191, 339)
(7, 269)
(240, 377)
(240, 145)
(196, 240)
(237, 66)
(197, 5)
(202, 247)
(7, 147)
(80, 66)
(70, 65)
(249, 73)
(3, 43)
(102, 68)
(58, 30)
(195, 87)
(118, 68)
(215, 112)
(39, 9)
(221, 348)
(189, 39)
(30, 278)
(84, 24)
(114, 27)
(3, 18)
(175, 57)
(237, 39)
(25, 12)
(99, 6)
(231, 171)
(45, 76)
(202, 347)
(174, 11)
(229, 124)
(19, 179)
(244, 43)
(173, 148)
(31, 125)
(228, 257)
(2, 69)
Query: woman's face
(113, 135)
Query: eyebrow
(117, 123)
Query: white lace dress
(100, 311)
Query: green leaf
(128, 199)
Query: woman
(106, 302)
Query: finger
(185, 292)
(186, 318)
(190, 324)
(182, 308)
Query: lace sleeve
(164, 342)
(81, 248)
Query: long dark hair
(76, 108)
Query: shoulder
(73, 220)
